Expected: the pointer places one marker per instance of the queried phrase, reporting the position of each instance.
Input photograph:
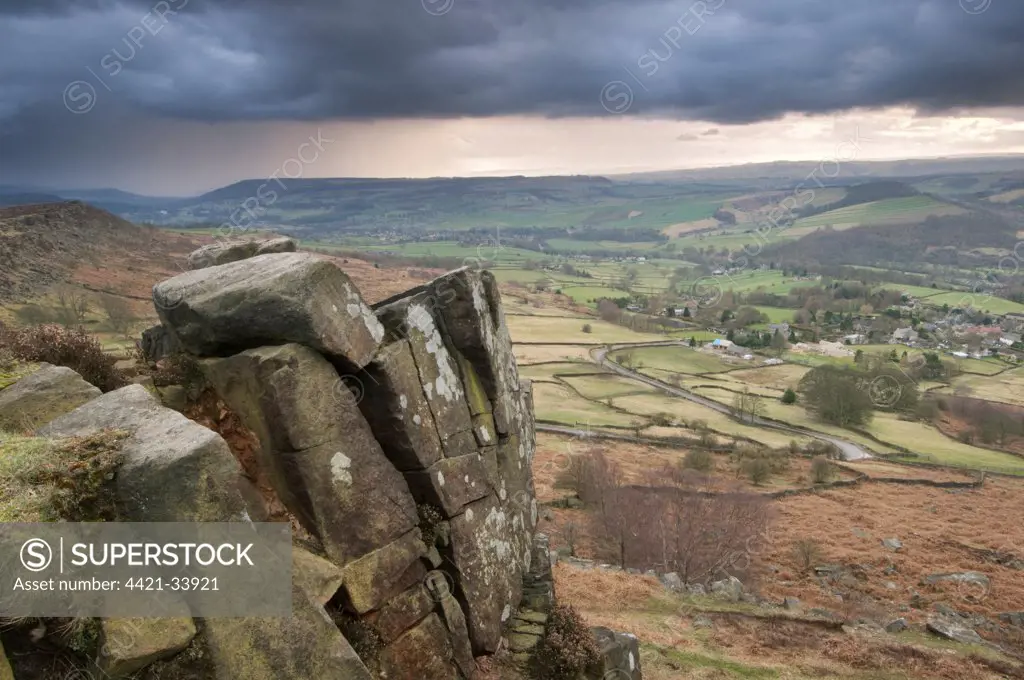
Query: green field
(505, 273)
(550, 329)
(889, 211)
(771, 281)
(795, 414)
(567, 245)
(674, 359)
(726, 391)
(814, 360)
(980, 366)
(559, 404)
(548, 372)
(449, 249)
(938, 448)
(698, 335)
(1007, 388)
(982, 301)
(602, 387)
(690, 411)
(589, 295)
(777, 314)
(775, 377)
(535, 354)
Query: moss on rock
(44, 480)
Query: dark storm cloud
(721, 60)
(65, 65)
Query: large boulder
(620, 656)
(490, 573)
(225, 252)
(1013, 618)
(306, 645)
(158, 343)
(973, 578)
(129, 645)
(318, 451)
(270, 300)
(174, 470)
(954, 630)
(43, 395)
(467, 304)
(730, 588)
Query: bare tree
(779, 343)
(677, 521)
(755, 406)
(118, 312)
(609, 311)
(73, 305)
(747, 405)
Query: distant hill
(111, 200)
(314, 207)
(863, 193)
(117, 201)
(26, 198)
(46, 244)
(968, 240)
(785, 173)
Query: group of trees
(988, 423)
(777, 341)
(837, 297)
(848, 397)
(612, 312)
(672, 521)
(747, 405)
(71, 307)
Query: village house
(904, 336)
(1010, 339)
(738, 351)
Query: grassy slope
(676, 359)
(889, 211)
(557, 330)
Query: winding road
(848, 450)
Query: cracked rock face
(490, 573)
(319, 452)
(399, 437)
(411, 320)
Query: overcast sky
(180, 96)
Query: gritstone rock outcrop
(397, 438)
